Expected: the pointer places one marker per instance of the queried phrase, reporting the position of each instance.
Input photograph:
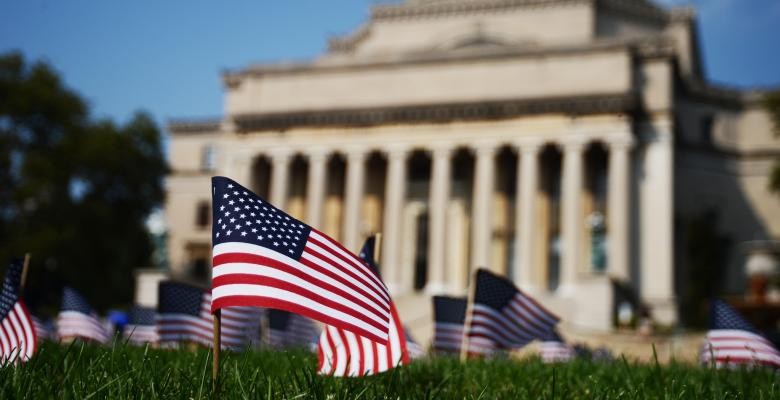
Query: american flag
(44, 330)
(733, 341)
(554, 349)
(344, 353)
(77, 320)
(286, 329)
(503, 317)
(142, 327)
(412, 347)
(449, 314)
(262, 257)
(17, 332)
(184, 315)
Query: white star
(264, 229)
(227, 213)
(249, 222)
(279, 236)
(241, 199)
(297, 238)
(243, 233)
(222, 208)
(229, 232)
(288, 236)
(225, 196)
(235, 193)
(252, 214)
(217, 234)
(230, 186)
(254, 230)
(238, 227)
(232, 220)
(273, 229)
(257, 208)
(287, 218)
(231, 202)
(285, 244)
(276, 244)
(242, 216)
(219, 221)
(291, 251)
(259, 238)
(224, 226)
(246, 207)
(251, 200)
(244, 193)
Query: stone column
(395, 192)
(571, 197)
(656, 221)
(279, 178)
(315, 188)
(356, 160)
(481, 222)
(438, 200)
(617, 208)
(525, 215)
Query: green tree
(73, 191)
(772, 104)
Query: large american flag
(184, 315)
(554, 349)
(503, 317)
(262, 257)
(449, 314)
(17, 332)
(77, 320)
(344, 353)
(142, 327)
(733, 341)
(286, 329)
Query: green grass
(82, 372)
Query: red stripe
(335, 353)
(355, 260)
(320, 358)
(30, 323)
(278, 265)
(533, 327)
(401, 335)
(547, 312)
(380, 303)
(347, 351)
(283, 285)
(270, 302)
(349, 271)
(375, 349)
(362, 355)
(6, 347)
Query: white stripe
(352, 347)
(368, 356)
(327, 367)
(368, 275)
(363, 282)
(261, 270)
(272, 292)
(382, 356)
(342, 364)
(547, 319)
(12, 348)
(255, 269)
(21, 336)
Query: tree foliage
(75, 192)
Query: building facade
(562, 143)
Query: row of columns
(481, 222)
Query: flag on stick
(17, 332)
(503, 317)
(733, 341)
(449, 315)
(142, 327)
(44, 330)
(184, 315)
(554, 349)
(262, 257)
(286, 329)
(77, 320)
(344, 353)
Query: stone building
(563, 143)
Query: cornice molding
(188, 126)
(439, 113)
(446, 8)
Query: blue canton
(10, 290)
(179, 298)
(142, 316)
(74, 301)
(241, 216)
(726, 317)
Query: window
(203, 214)
(705, 133)
(208, 161)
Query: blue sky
(166, 56)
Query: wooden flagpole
(377, 249)
(217, 345)
(464, 344)
(25, 268)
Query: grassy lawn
(80, 372)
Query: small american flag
(733, 341)
(412, 347)
(554, 349)
(17, 332)
(503, 317)
(184, 315)
(142, 327)
(449, 314)
(43, 330)
(286, 329)
(77, 320)
(262, 257)
(344, 353)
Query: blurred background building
(567, 144)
